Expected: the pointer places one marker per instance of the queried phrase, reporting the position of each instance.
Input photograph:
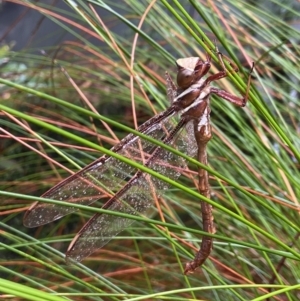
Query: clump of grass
(49, 127)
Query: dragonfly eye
(185, 77)
(188, 69)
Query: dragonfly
(184, 125)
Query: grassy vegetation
(52, 125)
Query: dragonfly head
(188, 71)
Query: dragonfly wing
(136, 198)
(101, 228)
(84, 188)
(101, 179)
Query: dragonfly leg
(237, 100)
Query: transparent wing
(135, 198)
(102, 178)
